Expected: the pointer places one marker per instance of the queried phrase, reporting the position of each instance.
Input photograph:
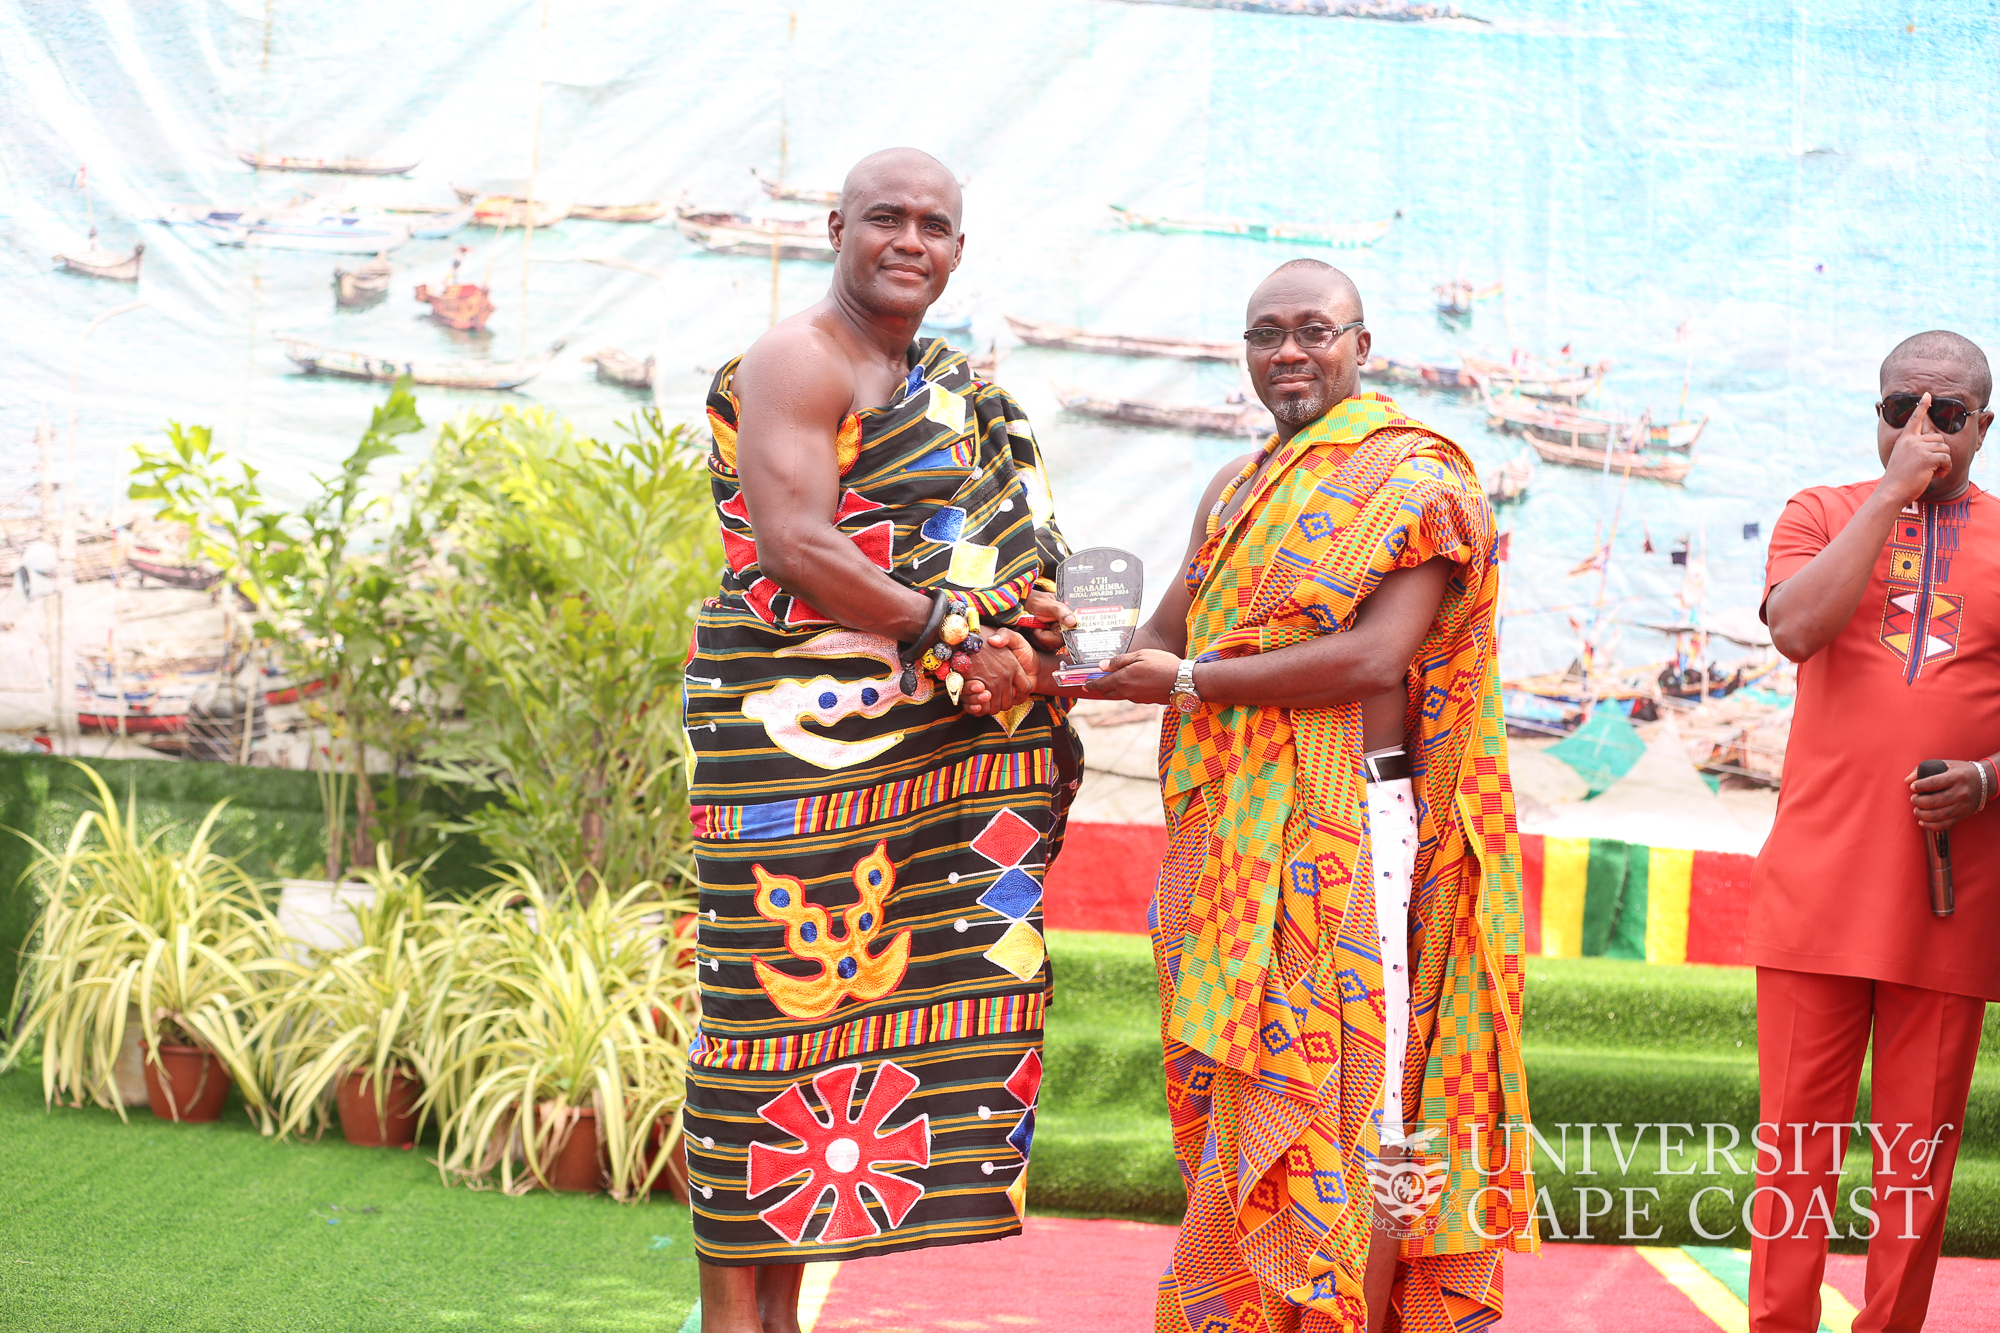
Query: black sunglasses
(1947, 414)
(1264, 338)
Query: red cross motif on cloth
(841, 1154)
(877, 542)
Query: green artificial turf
(160, 1228)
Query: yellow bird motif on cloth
(846, 968)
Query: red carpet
(1099, 1277)
(1592, 1289)
(1059, 1274)
(1964, 1299)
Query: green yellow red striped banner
(1601, 898)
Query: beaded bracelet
(950, 655)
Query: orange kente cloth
(1271, 980)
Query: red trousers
(1812, 1032)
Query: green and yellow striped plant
(566, 1002)
(379, 1006)
(127, 922)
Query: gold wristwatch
(1183, 696)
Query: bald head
(896, 170)
(1942, 348)
(1313, 281)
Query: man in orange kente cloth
(1338, 923)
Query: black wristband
(940, 603)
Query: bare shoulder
(1224, 475)
(797, 368)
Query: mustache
(1275, 374)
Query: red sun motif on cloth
(841, 1154)
(740, 550)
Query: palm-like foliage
(578, 568)
(128, 922)
(582, 1006)
(376, 1008)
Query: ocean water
(1753, 201)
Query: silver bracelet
(1985, 784)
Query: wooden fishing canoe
(1228, 419)
(1340, 236)
(1037, 334)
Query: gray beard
(1299, 412)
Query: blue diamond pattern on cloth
(1316, 524)
(1329, 1187)
(1024, 1134)
(1013, 895)
(948, 523)
(1305, 878)
(1352, 989)
(1274, 1037)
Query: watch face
(1186, 703)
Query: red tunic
(1840, 886)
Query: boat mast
(534, 172)
(784, 150)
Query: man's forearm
(823, 568)
(1808, 609)
(1342, 668)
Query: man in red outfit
(1887, 595)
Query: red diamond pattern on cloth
(1025, 1083)
(1006, 840)
(841, 1155)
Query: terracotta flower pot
(397, 1128)
(191, 1088)
(579, 1166)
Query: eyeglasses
(1947, 414)
(1267, 339)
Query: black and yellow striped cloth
(873, 973)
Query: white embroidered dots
(961, 925)
(1392, 843)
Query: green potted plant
(577, 566)
(363, 1028)
(182, 936)
(573, 1036)
(331, 583)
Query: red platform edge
(1104, 881)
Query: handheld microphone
(1937, 851)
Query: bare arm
(794, 389)
(1808, 609)
(793, 392)
(1368, 660)
(1166, 628)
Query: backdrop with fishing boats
(1641, 262)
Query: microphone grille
(1930, 768)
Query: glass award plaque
(1102, 587)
